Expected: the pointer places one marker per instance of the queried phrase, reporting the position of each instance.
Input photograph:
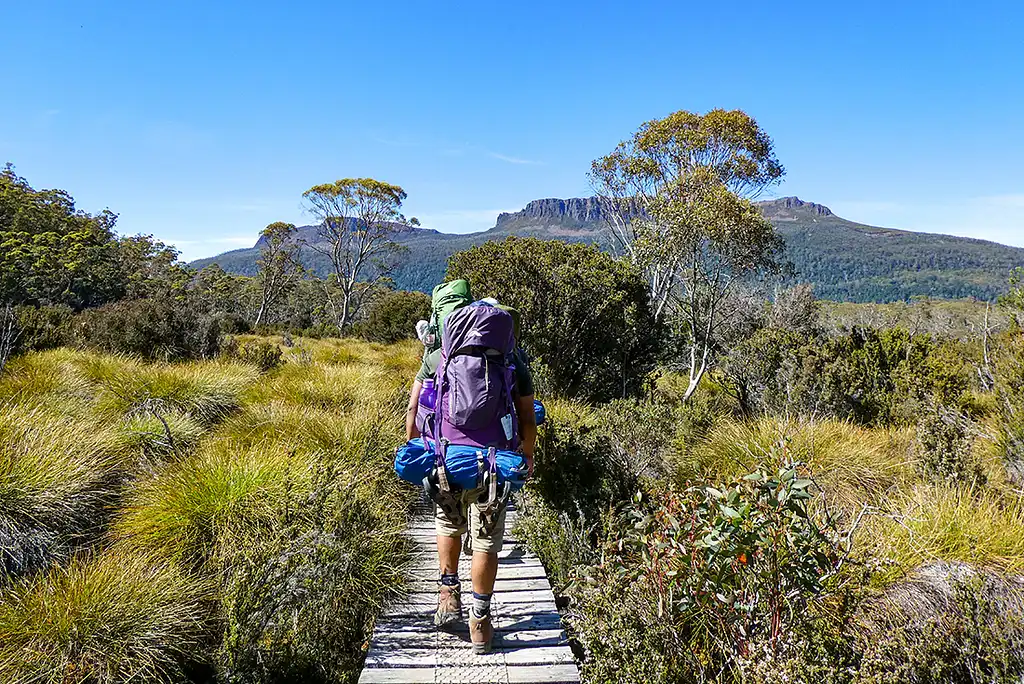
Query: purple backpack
(475, 380)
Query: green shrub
(163, 330)
(689, 581)
(301, 600)
(585, 317)
(945, 439)
(44, 327)
(112, 619)
(264, 355)
(393, 316)
(875, 377)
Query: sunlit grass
(206, 391)
(951, 523)
(118, 617)
(854, 465)
(58, 475)
(180, 513)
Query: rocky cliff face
(578, 210)
(789, 208)
(586, 211)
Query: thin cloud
(513, 160)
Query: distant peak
(577, 209)
(789, 207)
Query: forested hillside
(844, 260)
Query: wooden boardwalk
(529, 644)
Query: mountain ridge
(844, 260)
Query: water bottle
(428, 395)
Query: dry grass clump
(58, 475)
(854, 465)
(183, 512)
(949, 523)
(50, 377)
(108, 619)
(206, 391)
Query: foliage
(263, 355)
(697, 576)
(54, 254)
(584, 317)
(110, 619)
(358, 218)
(151, 329)
(875, 377)
(300, 604)
(392, 317)
(945, 442)
(677, 198)
(44, 327)
(278, 268)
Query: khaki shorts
(483, 543)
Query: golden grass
(181, 513)
(54, 467)
(114, 618)
(854, 465)
(948, 522)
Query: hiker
(473, 510)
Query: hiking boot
(481, 633)
(449, 605)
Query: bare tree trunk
(9, 334)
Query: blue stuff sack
(539, 411)
(461, 463)
(413, 462)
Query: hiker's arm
(527, 427)
(410, 413)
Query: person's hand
(529, 464)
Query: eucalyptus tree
(358, 220)
(678, 198)
(278, 268)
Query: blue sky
(201, 122)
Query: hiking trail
(529, 643)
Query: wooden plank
(530, 644)
(539, 655)
(548, 674)
(506, 573)
(408, 675)
(501, 585)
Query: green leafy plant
(708, 571)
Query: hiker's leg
(449, 542)
(485, 570)
(448, 549)
(486, 545)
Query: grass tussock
(205, 391)
(108, 619)
(950, 523)
(58, 476)
(854, 465)
(225, 490)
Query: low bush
(392, 317)
(111, 619)
(689, 581)
(263, 355)
(162, 330)
(44, 327)
(300, 601)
